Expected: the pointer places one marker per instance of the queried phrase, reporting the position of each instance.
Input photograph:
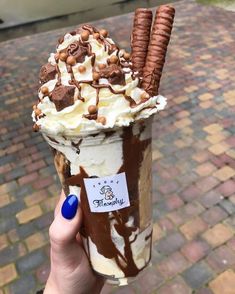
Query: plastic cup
(110, 172)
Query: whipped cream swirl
(89, 85)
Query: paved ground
(193, 161)
(226, 4)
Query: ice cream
(95, 108)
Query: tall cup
(110, 172)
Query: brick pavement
(193, 161)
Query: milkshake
(95, 110)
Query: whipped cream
(118, 104)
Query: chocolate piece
(126, 55)
(96, 35)
(71, 60)
(117, 77)
(114, 74)
(45, 91)
(104, 33)
(92, 109)
(101, 119)
(37, 111)
(47, 73)
(63, 56)
(140, 38)
(63, 96)
(155, 60)
(78, 51)
(144, 96)
(96, 76)
(101, 66)
(90, 116)
(85, 35)
(113, 59)
(81, 68)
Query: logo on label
(107, 193)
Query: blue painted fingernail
(70, 206)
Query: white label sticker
(107, 193)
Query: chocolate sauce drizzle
(97, 226)
(109, 47)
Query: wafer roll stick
(140, 38)
(160, 36)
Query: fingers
(64, 229)
(60, 202)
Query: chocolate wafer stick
(140, 38)
(157, 48)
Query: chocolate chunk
(78, 51)
(63, 96)
(47, 73)
(114, 74)
(117, 77)
(90, 116)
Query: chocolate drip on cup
(98, 226)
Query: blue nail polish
(70, 206)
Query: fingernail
(70, 206)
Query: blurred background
(25, 17)
(193, 144)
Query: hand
(71, 272)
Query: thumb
(65, 250)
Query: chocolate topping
(102, 120)
(78, 51)
(45, 91)
(104, 33)
(114, 74)
(47, 73)
(63, 96)
(98, 226)
(71, 60)
(63, 56)
(92, 109)
(140, 38)
(85, 35)
(155, 60)
(90, 116)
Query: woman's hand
(71, 272)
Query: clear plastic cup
(110, 172)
